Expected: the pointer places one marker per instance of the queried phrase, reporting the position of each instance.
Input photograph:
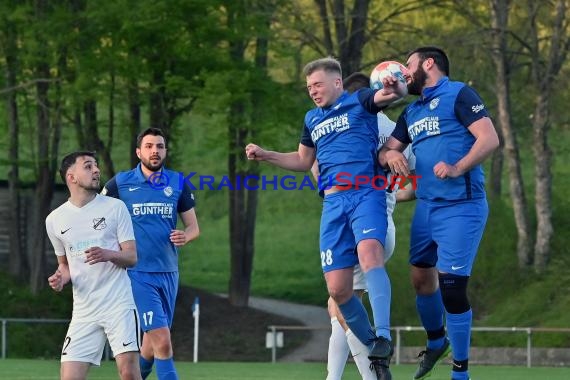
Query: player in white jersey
(93, 239)
(342, 340)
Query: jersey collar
(429, 92)
(139, 174)
(340, 99)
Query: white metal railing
(5, 322)
(107, 351)
(274, 329)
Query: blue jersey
(154, 214)
(436, 126)
(345, 136)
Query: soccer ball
(384, 69)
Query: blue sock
(165, 369)
(356, 318)
(459, 375)
(380, 295)
(459, 332)
(146, 366)
(431, 311)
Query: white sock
(338, 351)
(360, 355)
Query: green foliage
(34, 340)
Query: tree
(547, 56)
(9, 37)
(242, 121)
(47, 151)
(499, 52)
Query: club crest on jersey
(433, 104)
(99, 223)
(168, 191)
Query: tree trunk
(17, 258)
(547, 59)
(44, 187)
(243, 202)
(496, 174)
(542, 185)
(241, 260)
(156, 102)
(111, 130)
(327, 35)
(134, 117)
(499, 20)
(241, 257)
(351, 54)
(93, 141)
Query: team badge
(433, 104)
(168, 191)
(99, 223)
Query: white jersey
(104, 222)
(385, 128)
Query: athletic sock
(146, 366)
(460, 370)
(380, 294)
(431, 311)
(338, 351)
(459, 332)
(357, 320)
(165, 369)
(360, 356)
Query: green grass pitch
(23, 369)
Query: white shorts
(85, 341)
(358, 279)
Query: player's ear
(70, 178)
(138, 152)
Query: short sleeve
(400, 132)
(111, 189)
(58, 246)
(124, 223)
(469, 107)
(186, 200)
(306, 137)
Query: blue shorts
(447, 235)
(349, 217)
(155, 297)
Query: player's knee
(161, 343)
(129, 372)
(424, 279)
(454, 293)
(340, 296)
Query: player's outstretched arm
(299, 161)
(191, 229)
(393, 90)
(61, 276)
(125, 258)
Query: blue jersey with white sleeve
(345, 137)
(154, 211)
(436, 125)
